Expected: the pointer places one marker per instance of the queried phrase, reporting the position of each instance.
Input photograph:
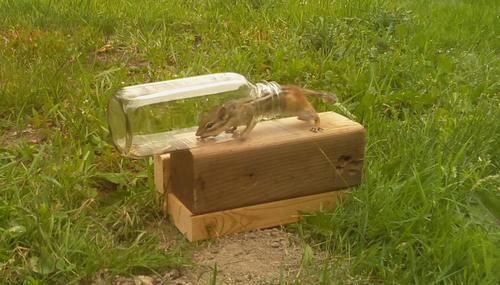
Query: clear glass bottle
(161, 117)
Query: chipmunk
(234, 113)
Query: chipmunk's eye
(209, 125)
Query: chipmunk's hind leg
(308, 115)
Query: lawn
(423, 77)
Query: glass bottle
(161, 117)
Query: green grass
(422, 77)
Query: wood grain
(281, 159)
(216, 224)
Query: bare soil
(258, 257)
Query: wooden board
(200, 227)
(162, 179)
(281, 159)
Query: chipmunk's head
(213, 123)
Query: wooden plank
(158, 177)
(281, 159)
(180, 216)
(162, 179)
(200, 227)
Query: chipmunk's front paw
(231, 130)
(316, 129)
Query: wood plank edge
(204, 226)
(180, 216)
(158, 179)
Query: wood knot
(342, 162)
(346, 165)
(200, 183)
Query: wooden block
(281, 159)
(200, 227)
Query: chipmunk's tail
(326, 97)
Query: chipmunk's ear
(222, 112)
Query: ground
(268, 256)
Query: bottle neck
(265, 88)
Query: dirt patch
(257, 257)
(30, 134)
